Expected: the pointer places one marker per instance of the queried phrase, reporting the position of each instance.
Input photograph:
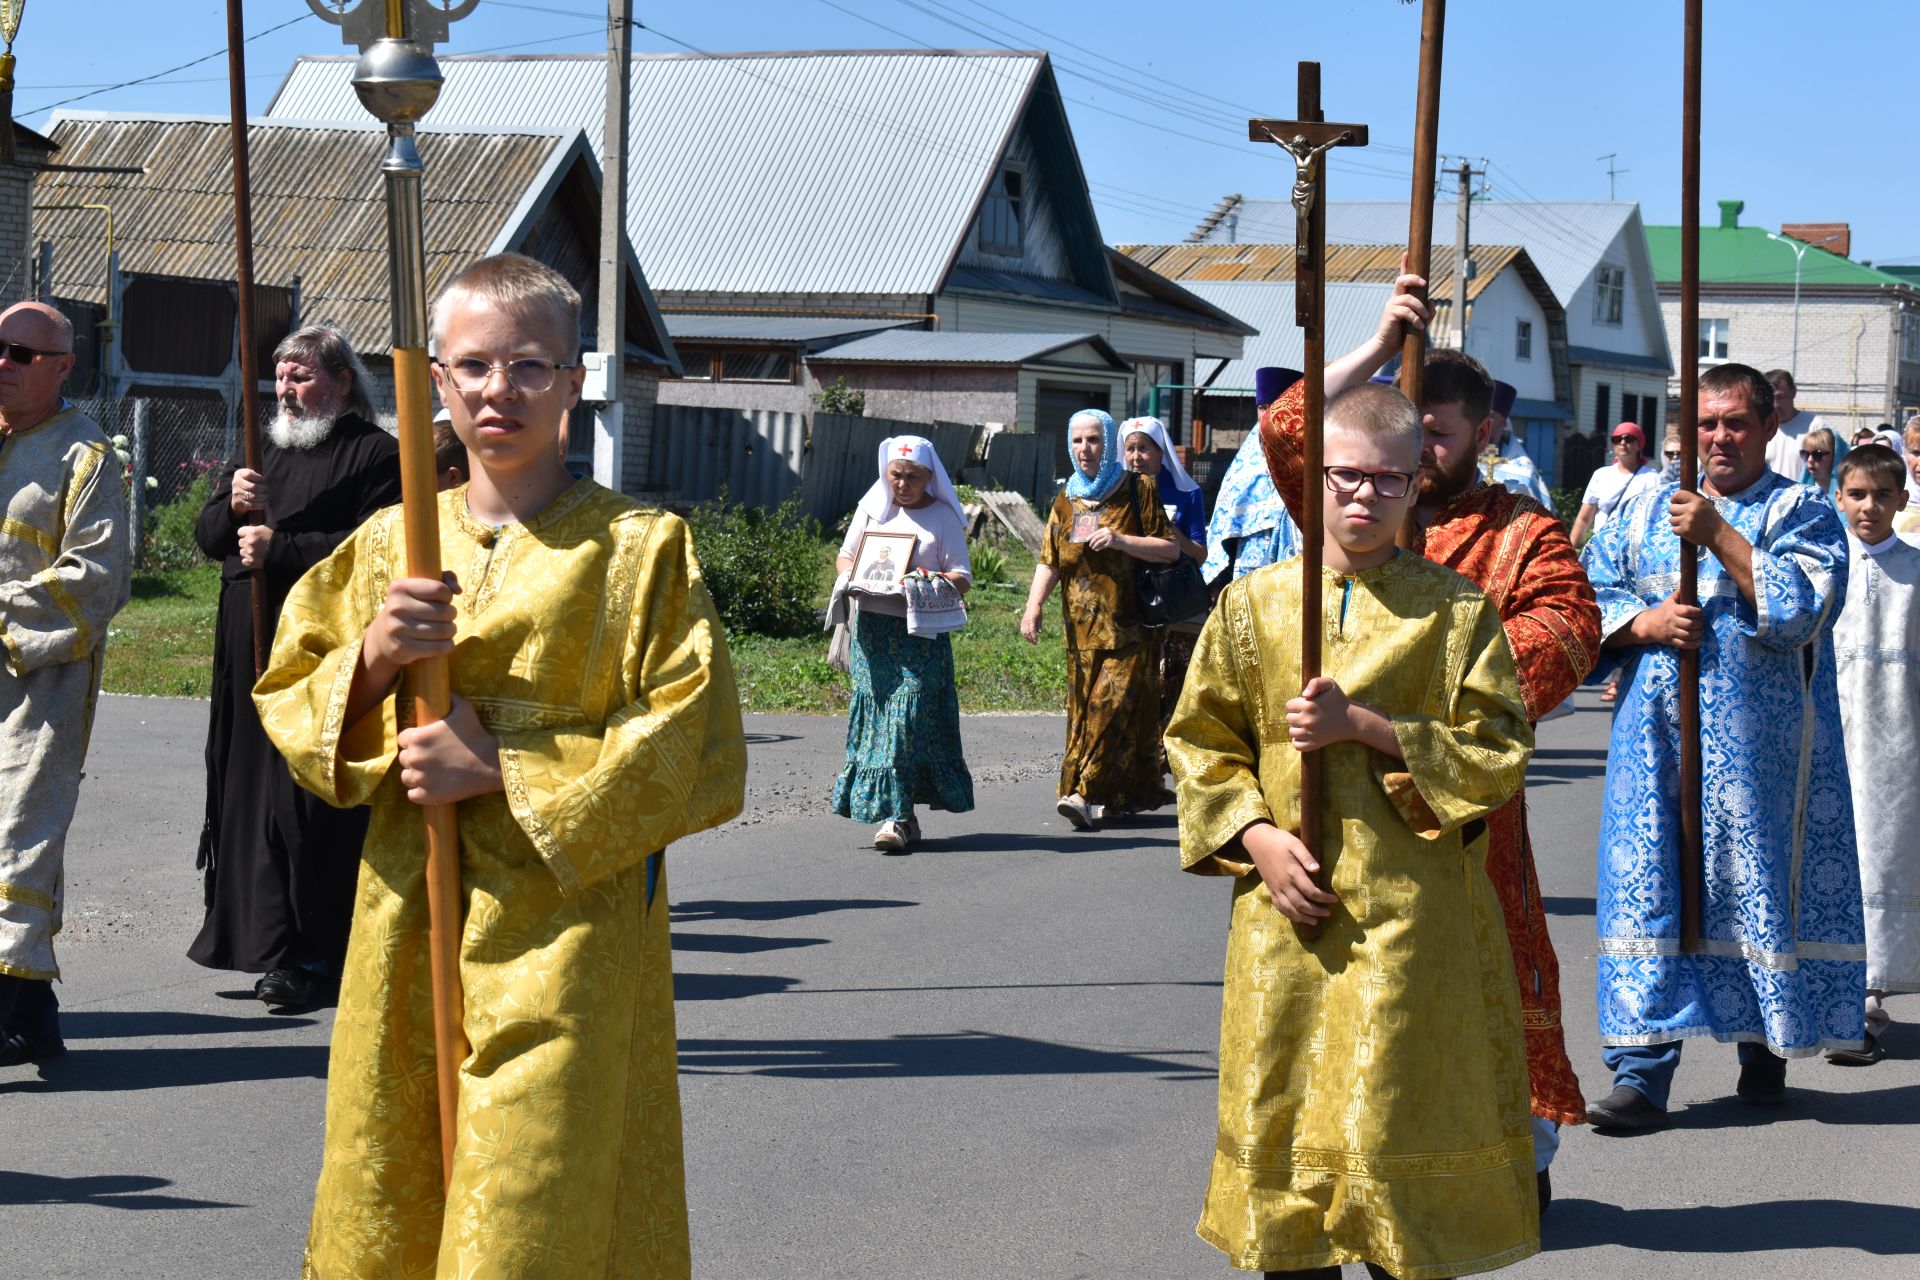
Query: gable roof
(1353, 314)
(319, 209)
(1747, 255)
(918, 346)
(800, 173)
(1161, 299)
(1564, 238)
(1346, 264)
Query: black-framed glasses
(1814, 455)
(1671, 454)
(21, 353)
(1626, 439)
(528, 375)
(1388, 484)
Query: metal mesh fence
(173, 449)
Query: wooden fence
(843, 458)
(756, 455)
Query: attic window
(1609, 293)
(1000, 216)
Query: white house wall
(1491, 322)
(1639, 331)
(1043, 246)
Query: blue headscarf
(1111, 466)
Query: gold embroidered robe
(1373, 1082)
(590, 648)
(63, 575)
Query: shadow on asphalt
(109, 1191)
(739, 944)
(963, 1053)
(131, 1024)
(769, 739)
(1742, 1228)
(87, 1070)
(1567, 906)
(728, 986)
(775, 909)
(1556, 766)
(1065, 842)
(1004, 986)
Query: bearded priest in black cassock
(280, 863)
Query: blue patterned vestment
(1250, 525)
(1783, 944)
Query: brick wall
(17, 251)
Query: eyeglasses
(1387, 484)
(1811, 454)
(1671, 453)
(21, 353)
(1626, 439)
(528, 376)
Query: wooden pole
(243, 276)
(1690, 851)
(1426, 154)
(1313, 488)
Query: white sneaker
(1076, 811)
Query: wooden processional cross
(1307, 140)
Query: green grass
(996, 670)
(162, 642)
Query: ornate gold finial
(10, 11)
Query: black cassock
(280, 862)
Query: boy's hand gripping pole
(1307, 141)
(398, 81)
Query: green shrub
(838, 397)
(989, 564)
(168, 543)
(764, 568)
(1566, 504)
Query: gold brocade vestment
(589, 646)
(1373, 1082)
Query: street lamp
(1799, 255)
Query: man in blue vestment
(1781, 966)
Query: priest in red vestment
(1519, 553)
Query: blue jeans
(1649, 1068)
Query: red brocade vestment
(1517, 552)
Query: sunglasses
(1811, 454)
(21, 353)
(1626, 439)
(1672, 454)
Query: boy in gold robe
(1373, 1078)
(594, 722)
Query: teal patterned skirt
(903, 730)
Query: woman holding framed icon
(1108, 519)
(903, 728)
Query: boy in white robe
(1877, 648)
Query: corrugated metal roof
(319, 207)
(914, 346)
(1564, 238)
(844, 172)
(1346, 264)
(685, 326)
(1748, 255)
(1353, 314)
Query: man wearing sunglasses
(1517, 552)
(63, 576)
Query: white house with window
(1593, 256)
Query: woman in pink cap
(1616, 483)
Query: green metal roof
(1745, 255)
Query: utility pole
(609, 435)
(1462, 263)
(1612, 172)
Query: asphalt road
(992, 1059)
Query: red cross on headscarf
(905, 451)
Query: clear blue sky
(1805, 114)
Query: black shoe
(20, 1048)
(1543, 1183)
(1763, 1081)
(1625, 1108)
(296, 989)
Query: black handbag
(1168, 593)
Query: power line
(127, 84)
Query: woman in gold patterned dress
(594, 722)
(1108, 520)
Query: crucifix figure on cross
(1308, 140)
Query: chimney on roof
(1730, 214)
(1834, 237)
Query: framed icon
(881, 560)
(1084, 524)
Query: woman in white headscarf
(903, 729)
(1108, 520)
